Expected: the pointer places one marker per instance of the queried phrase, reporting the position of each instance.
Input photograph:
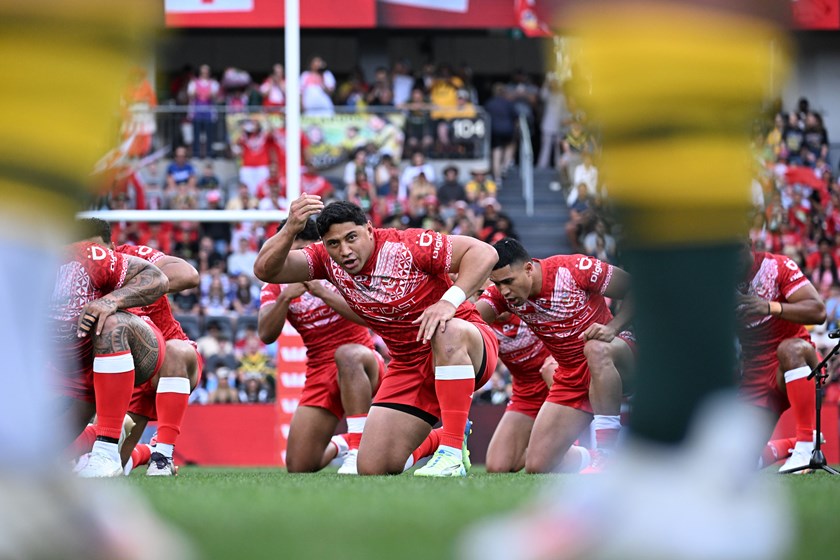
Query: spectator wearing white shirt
(585, 174)
(402, 82)
(418, 166)
(357, 163)
(316, 87)
(242, 260)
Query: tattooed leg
(124, 332)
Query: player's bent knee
(180, 359)
(794, 351)
(370, 466)
(350, 356)
(597, 352)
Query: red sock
(140, 455)
(454, 386)
(113, 382)
(776, 450)
(84, 442)
(173, 394)
(355, 427)
(802, 398)
(429, 445)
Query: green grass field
(235, 513)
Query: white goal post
(185, 215)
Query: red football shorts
(321, 388)
(570, 385)
(528, 397)
(411, 382)
(144, 398)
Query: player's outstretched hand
(94, 314)
(301, 209)
(596, 331)
(434, 319)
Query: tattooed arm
(144, 284)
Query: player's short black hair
(94, 227)
(340, 212)
(309, 233)
(511, 252)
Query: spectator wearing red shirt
(254, 146)
(273, 89)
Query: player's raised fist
(301, 209)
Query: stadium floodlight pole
(292, 41)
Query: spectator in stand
(381, 94)
(417, 165)
(824, 247)
(203, 92)
(253, 145)
(773, 141)
(213, 343)
(803, 107)
(443, 91)
(525, 96)
(363, 194)
(815, 139)
(390, 202)
(418, 122)
(384, 169)
(503, 116)
(273, 200)
(186, 302)
(224, 393)
(480, 186)
(236, 86)
(449, 144)
(278, 148)
(244, 200)
(450, 191)
(180, 171)
(575, 143)
(793, 140)
(420, 188)
(209, 257)
(317, 85)
(312, 182)
(185, 197)
(357, 163)
(586, 174)
(402, 82)
(502, 228)
(352, 91)
(246, 295)
(254, 389)
(274, 178)
(825, 275)
(216, 301)
(600, 233)
(832, 307)
(273, 89)
(208, 181)
(581, 214)
(553, 123)
(242, 260)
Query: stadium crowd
(796, 195)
